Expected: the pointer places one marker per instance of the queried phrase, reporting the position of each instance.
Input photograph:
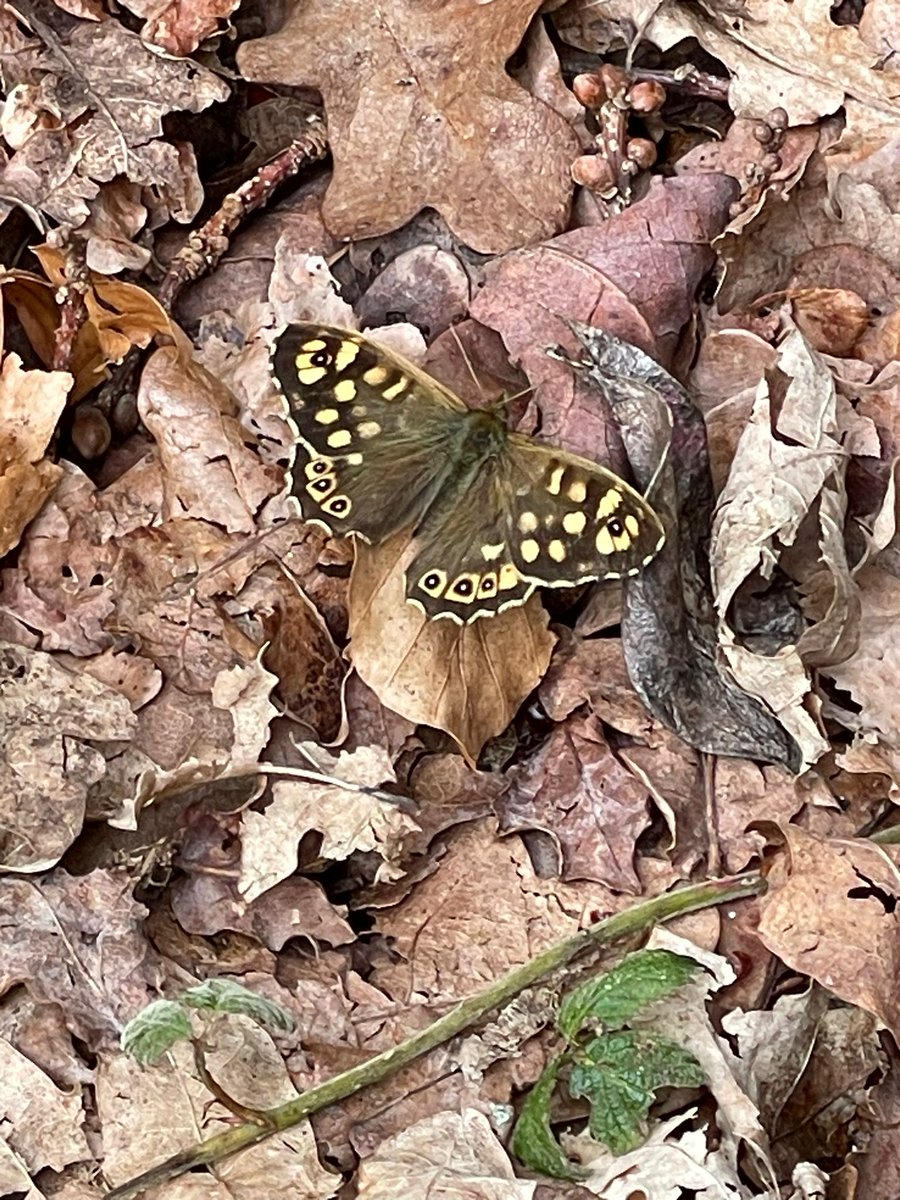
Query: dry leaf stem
(640, 918)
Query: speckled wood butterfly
(495, 514)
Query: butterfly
(381, 446)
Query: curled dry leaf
(831, 913)
(179, 26)
(46, 1122)
(422, 113)
(56, 728)
(109, 94)
(798, 54)
(575, 791)
(31, 403)
(457, 1153)
(468, 680)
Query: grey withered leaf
(668, 621)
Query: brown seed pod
(589, 90)
(594, 172)
(642, 152)
(647, 96)
(90, 432)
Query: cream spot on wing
(321, 488)
(529, 549)
(396, 389)
(345, 390)
(376, 375)
(354, 460)
(577, 491)
(313, 346)
(491, 552)
(337, 506)
(368, 429)
(574, 523)
(555, 481)
(488, 585)
(509, 577)
(557, 551)
(463, 589)
(339, 439)
(609, 502)
(310, 375)
(528, 522)
(327, 416)
(433, 583)
(318, 466)
(604, 542)
(632, 525)
(347, 354)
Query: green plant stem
(640, 918)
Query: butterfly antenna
(466, 359)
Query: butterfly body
(495, 514)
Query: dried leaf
(31, 403)
(421, 112)
(466, 679)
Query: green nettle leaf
(619, 1074)
(533, 1142)
(155, 1030)
(222, 995)
(611, 1000)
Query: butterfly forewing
(374, 439)
(382, 447)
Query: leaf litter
(229, 750)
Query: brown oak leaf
(421, 112)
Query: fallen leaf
(451, 1153)
(832, 916)
(110, 93)
(31, 403)
(466, 679)
(179, 26)
(575, 791)
(56, 728)
(441, 73)
(45, 1124)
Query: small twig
(72, 308)
(205, 246)
(640, 918)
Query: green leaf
(619, 1073)
(155, 1030)
(532, 1141)
(222, 995)
(611, 1000)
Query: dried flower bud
(777, 119)
(647, 96)
(594, 172)
(763, 132)
(589, 90)
(90, 432)
(771, 163)
(642, 152)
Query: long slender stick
(638, 919)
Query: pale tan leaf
(468, 680)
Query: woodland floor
(278, 797)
